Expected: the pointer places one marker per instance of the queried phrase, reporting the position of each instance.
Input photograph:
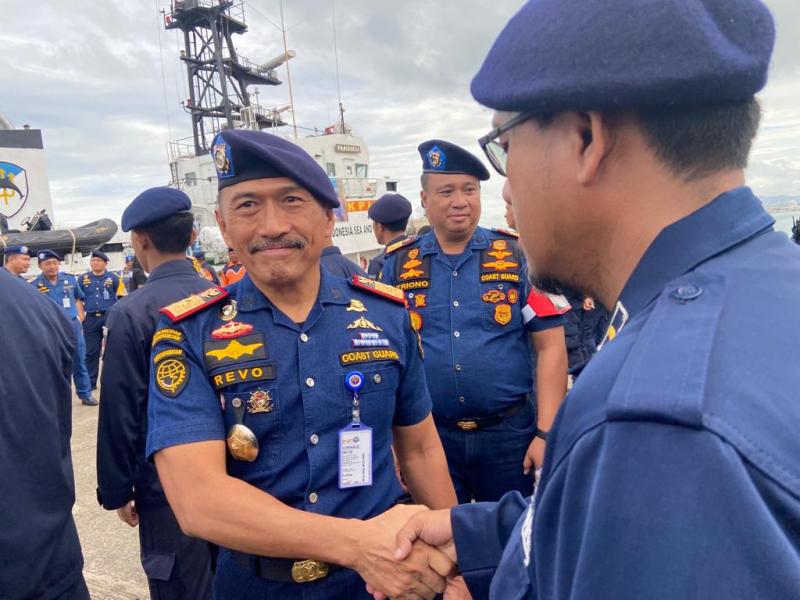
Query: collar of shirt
(395, 240)
(172, 268)
(726, 221)
(331, 291)
(330, 250)
(478, 241)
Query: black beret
(153, 205)
(100, 255)
(241, 155)
(439, 156)
(390, 208)
(588, 54)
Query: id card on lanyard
(355, 442)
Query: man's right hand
(422, 575)
(432, 527)
(128, 514)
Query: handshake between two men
(413, 557)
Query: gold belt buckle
(467, 425)
(304, 571)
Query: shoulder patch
(194, 303)
(379, 288)
(401, 244)
(506, 232)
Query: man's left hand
(534, 457)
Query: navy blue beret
(153, 205)
(390, 208)
(200, 254)
(48, 254)
(241, 155)
(587, 54)
(439, 156)
(100, 255)
(12, 250)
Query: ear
(222, 226)
(330, 221)
(423, 196)
(595, 145)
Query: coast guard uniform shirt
(289, 381)
(100, 290)
(64, 292)
(672, 470)
(469, 313)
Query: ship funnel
(277, 61)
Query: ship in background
(219, 80)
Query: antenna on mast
(338, 82)
(288, 72)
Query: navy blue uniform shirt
(290, 378)
(341, 266)
(39, 548)
(100, 290)
(468, 310)
(672, 469)
(65, 292)
(375, 266)
(123, 474)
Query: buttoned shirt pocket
(260, 412)
(378, 396)
(500, 305)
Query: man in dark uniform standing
(389, 215)
(332, 259)
(17, 260)
(40, 555)
(672, 471)
(177, 566)
(99, 287)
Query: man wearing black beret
(389, 215)
(671, 471)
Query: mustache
(267, 243)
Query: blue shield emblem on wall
(13, 188)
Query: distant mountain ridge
(770, 201)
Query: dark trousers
(487, 462)
(93, 333)
(78, 591)
(178, 567)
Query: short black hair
(171, 235)
(697, 141)
(397, 225)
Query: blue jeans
(79, 373)
(486, 463)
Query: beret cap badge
(437, 158)
(222, 159)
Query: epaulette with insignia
(379, 288)
(401, 244)
(194, 303)
(508, 232)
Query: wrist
(348, 551)
(541, 434)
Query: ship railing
(235, 10)
(355, 187)
(181, 148)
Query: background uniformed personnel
(100, 288)
(17, 260)
(389, 215)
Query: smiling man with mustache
(275, 403)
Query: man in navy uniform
(39, 546)
(63, 289)
(17, 260)
(308, 380)
(466, 288)
(334, 262)
(100, 288)
(672, 470)
(389, 215)
(177, 566)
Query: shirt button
(457, 333)
(377, 378)
(687, 292)
(313, 497)
(455, 273)
(458, 367)
(314, 439)
(455, 303)
(461, 398)
(303, 337)
(310, 382)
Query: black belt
(285, 569)
(96, 313)
(473, 423)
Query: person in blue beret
(63, 289)
(275, 403)
(672, 470)
(176, 565)
(389, 214)
(466, 288)
(100, 287)
(204, 267)
(17, 260)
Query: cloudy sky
(90, 76)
